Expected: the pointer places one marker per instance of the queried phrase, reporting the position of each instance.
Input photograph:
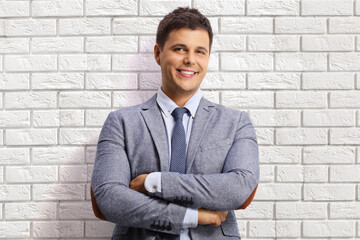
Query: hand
(137, 184)
(214, 218)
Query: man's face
(183, 61)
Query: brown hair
(182, 18)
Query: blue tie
(178, 142)
(178, 153)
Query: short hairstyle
(182, 18)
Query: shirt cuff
(153, 182)
(191, 218)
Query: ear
(157, 51)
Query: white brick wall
(293, 65)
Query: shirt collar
(167, 105)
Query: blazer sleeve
(114, 200)
(231, 189)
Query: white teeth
(186, 72)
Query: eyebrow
(183, 45)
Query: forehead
(189, 37)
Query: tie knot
(178, 113)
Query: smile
(186, 73)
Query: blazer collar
(152, 116)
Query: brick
(357, 13)
(46, 118)
(300, 25)
(55, 8)
(134, 62)
(328, 118)
(246, 61)
(14, 45)
(72, 118)
(85, 62)
(25, 100)
(90, 154)
(30, 27)
(246, 25)
(301, 210)
(329, 192)
(220, 7)
(130, 98)
(248, 99)
(301, 61)
(84, 26)
(79, 136)
(211, 96)
(303, 136)
(345, 99)
(73, 173)
(349, 210)
(257, 210)
(98, 229)
(114, 44)
(14, 193)
(214, 62)
(1, 67)
(161, 7)
(14, 81)
(328, 80)
(329, 155)
(228, 43)
(345, 173)
(274, 81)
(150, 80)
(85, 99)
(76, 210)
(270, 7)
(302, 173)
(327, 43)
(146, 43)
(14, 119)
(345, 136)
(344, 61)
(322, 7)
(296, 99)
(358, 81)
(265, 136)
(267, 173)
(96, 118)
(14, 229)
(111, 81)
(26, 174)
(14, 9)
(224, 81)
(1, 137)
(344, 25)
(18, 137)
(58, 81)
(32, 210)
(58, 155)
(262, 229)
(111, 7)
(279, 192)
(273, 118)
(30, 63)
(279, 154)
(135, 25)
(288, 228)
(58, 192)
(57, 45)
(10, 156)
(328, 228)
(273, 43)
(58, 229)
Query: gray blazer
(222, 171)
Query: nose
(189, 59)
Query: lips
(187, 73)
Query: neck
(179, 98)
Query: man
(176, 166)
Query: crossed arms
(216, 192)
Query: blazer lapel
(155, 123)
(202, 117)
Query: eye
(201, 52)
(179, 49)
